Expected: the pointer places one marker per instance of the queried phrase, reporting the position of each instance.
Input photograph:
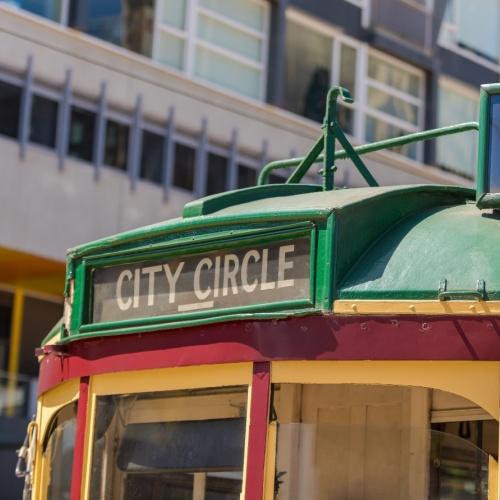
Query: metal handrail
(370, 148)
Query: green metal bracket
(478, 294)
(367, 148)
(331, 132)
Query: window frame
(164, 379)
(48, 406)
(469, 93)
(448, 39)
(412, 374)
(190, 39)
(419, 102)
(363, 82)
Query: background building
(114, 114)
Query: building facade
(115, 114)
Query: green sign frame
(81, 317)
(484, 198)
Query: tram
(286, 341)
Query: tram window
(184, 167)
(57, 452)
(116, 149)
(216, 174)
(247, 176)
(461, 447)
(10, 104)
(152, 156)
(43, 121)
(181, 444)
(494, 146)
(81, 134)
(375, 441)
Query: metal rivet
(354, 307)
(472, 308)
(412, 307)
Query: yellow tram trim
(48, 405)
(162, 379)
(415, 307)
(481, 384)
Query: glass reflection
(81, 133)
(152, 157)
(50, 9)
(58, 453)
(43, 121)
(186, 444)
(458, 469)
(216, 174)
(116, 150)
(494, 146)
(371, 442)
(10, 103)
(184, 167)
(127, 23)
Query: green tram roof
(418, 242)
(387, 243)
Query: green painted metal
(343, 223)
(56, 330)
(331, 132)
(211, 204)
(484, 199)
(478, 294)
(372, 147)
(456, 243)
(374, 242)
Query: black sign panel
(262, 274)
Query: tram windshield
(179, 444)
(58, 452)
(378, 442)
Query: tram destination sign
(222, 279)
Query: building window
(247, 176)
(185, 157)
(473, 29)
(316, 60)
(127, 23)
(388, 93)
(394, 101)
(116, 146)
(308, 70)
(220, 41)
(10, 104)
(216, 174)
(50, 9)
(152, 156)
(43, 121)
(81, 134)
(457, 104)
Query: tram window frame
(486, 198)
(182, 378)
